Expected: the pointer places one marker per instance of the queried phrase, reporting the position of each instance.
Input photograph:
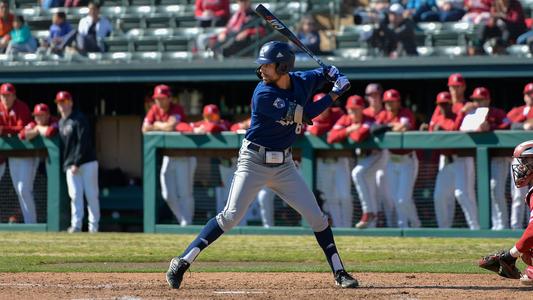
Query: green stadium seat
(40, 34)
(351, 53)
(177, 55)
(113, 12)
(26, 3)
(451, 51)
(425, 51)
(353, 36)
(28, 12)
(149, 57)
(118, 57)
(118, 44)
(519, 50)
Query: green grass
(126, 252)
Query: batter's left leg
(265, 197)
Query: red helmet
(480, 93)
(162, 90)
(444, 97)
(63, 96)
(355, 102)
(528, 89)
(523, 164)
(211, 109)
(7, 89)
(391, 95)
(40, 109)
(456, 79)
(318, 96)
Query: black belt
(257, 148)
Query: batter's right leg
(75, 191)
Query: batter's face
(162, 102)
(42, 119)
(457, 91)
(8, 99)
(528, 99)
(268, 73)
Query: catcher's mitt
(501, 263)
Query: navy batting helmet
(279, 53)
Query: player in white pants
(79, 163)
(14, 115)
(402, 167)
(499, 166)
(333, 180)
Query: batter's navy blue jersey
(269, 107)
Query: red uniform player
(503, 262)
(211, 122)
(44, 124)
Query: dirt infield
(257, 286)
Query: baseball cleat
(525, 280)
(178, 267)
(73, 229)
(345, 280)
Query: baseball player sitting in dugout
(281, 104)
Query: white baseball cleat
(525, 280)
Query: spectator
(494, 118)
(522, 119)
(212, 13)
(377, 183)
(447, 11)
(177, 172)
(374, 13)
(242, 28)
(6, 24)
(332, 173)
(21, 38)
(79, 163)
(396, 38)
(452, 182)
(77, 3)
(356, 126)
(505, 25)
(420, 10)
(402, 167)
(61, 34)
(92, 30)
(307, 33)
(14, 115)
(477, 11)
(47, 4)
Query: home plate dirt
(199, 285)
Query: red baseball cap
(355, 102)
(318, 96)
(211, 109)
(40, 109)
(444, 97)
(456, 79)
(528, 89)
(162, 90)
(480, 93)
(63, 96)
(7, 89)
(391, 95)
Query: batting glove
(331, 73)
(342, 84)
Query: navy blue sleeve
(313, 80)
(313, 109)
(266, 103)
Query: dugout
(113, 97)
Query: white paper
(473, 120)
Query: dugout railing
(57, 215)
(480, 145)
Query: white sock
(514, 252)
(191, 256)
(336, 262)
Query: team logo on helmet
(279, 103)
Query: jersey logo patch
(279, 103)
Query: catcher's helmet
(279, 53)
(522, 165)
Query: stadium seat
(118, 57)
(177, 55)
(118, 44)
(28, 12)
(353, 36)
(351, 53)
(40, 34)
(450, 51)
(25, 3)
(519, 50)
(150, 57)
(113, 12)
(425, 51)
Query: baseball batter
(79, 163)
(177, 173)
(14, 115)
(448, 185)
(499, 166)
(402, 166)
(333, 173)
(522, 119)
(504, 262)
(280, 106)
(356, 126)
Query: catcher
(503, 262)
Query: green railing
(57, 203)
(482, 145)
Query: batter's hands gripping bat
(281, 28)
